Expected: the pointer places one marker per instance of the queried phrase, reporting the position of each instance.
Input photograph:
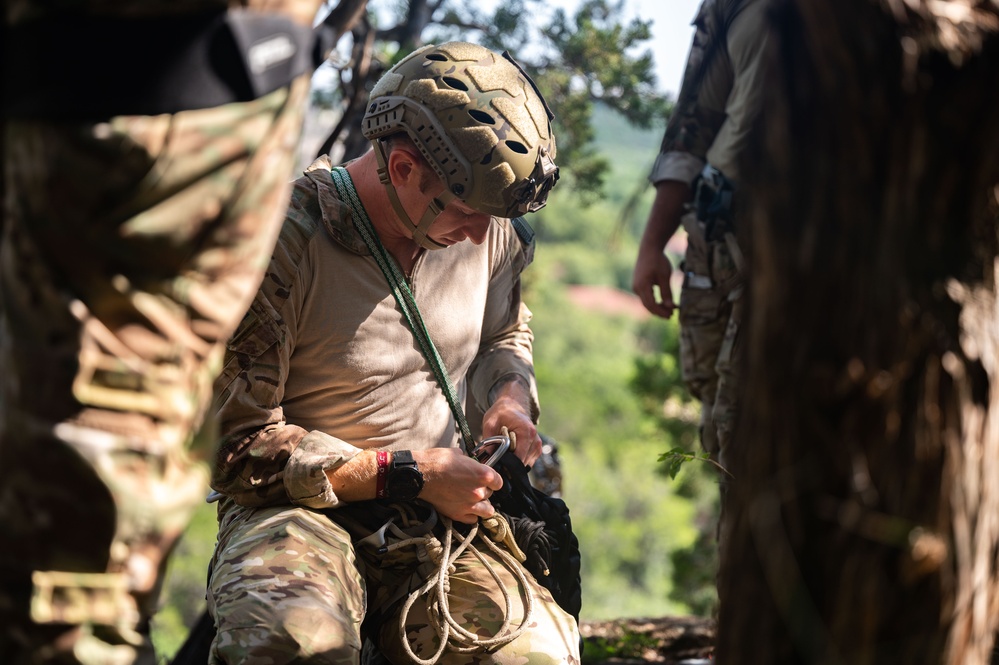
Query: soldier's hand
(652, 268)
(456, 485)
(505, 413)
(511, 408)
(651, 281)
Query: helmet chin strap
(403, 220)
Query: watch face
(404, 484)
(404, 480)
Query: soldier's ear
(404, 167)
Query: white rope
(452, 635)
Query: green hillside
(631, 149)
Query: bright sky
(671, 32)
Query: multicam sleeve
(695, 120)
(280, 463)
(263, 460)
(507, 340)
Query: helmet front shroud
(478, 120)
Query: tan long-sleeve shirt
(717, 107)
(324, 364)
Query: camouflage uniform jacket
(324, 364)
(717, 106)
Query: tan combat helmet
(480, 122)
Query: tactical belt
(81, 67)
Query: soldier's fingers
(483, 509)
(648, 298)
(663, 309)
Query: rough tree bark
(866, 500)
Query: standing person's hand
(651, 280)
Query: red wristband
(383, 465)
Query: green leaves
(677, 457)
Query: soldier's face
(457, 223)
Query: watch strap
(382, 457)
(403, 458)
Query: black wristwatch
(404, 480)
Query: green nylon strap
(407, 303)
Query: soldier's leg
(728, 370)
(728, 266)
(703, 317)
(476, 601)
(284, 588)
(130, 251)
(725, 408)
(704, 321)
(700, 330)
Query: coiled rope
(493, 531)
(452, 635)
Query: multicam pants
(130, 251)
(287, 585)
(711, 305)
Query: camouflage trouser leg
(710, 317)
(710, 346)
(709, 354)
(287, 586)
(284, 588)
(724, 409)
(727, 369)
(130, 251)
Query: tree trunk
(866, 502)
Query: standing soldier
(147, 156)
(695, 176)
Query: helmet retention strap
(403, 220)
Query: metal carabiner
(491, 449)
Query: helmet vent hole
(482, 117)
(517, 147)
(440, 57)
(452, 82)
